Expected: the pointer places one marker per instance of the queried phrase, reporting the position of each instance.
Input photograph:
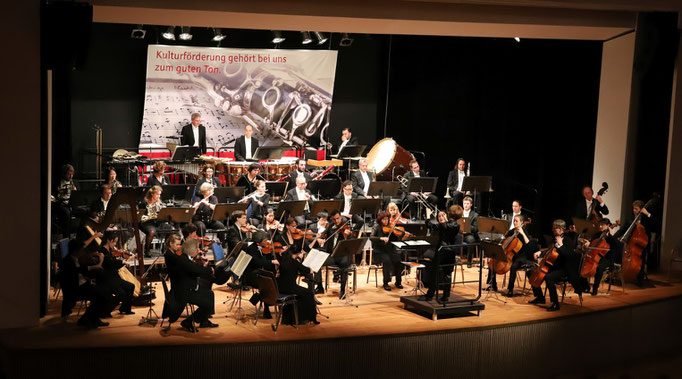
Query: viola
(271, 247)
(397, 230)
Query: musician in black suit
(347, 196)
(206, 178)
(524, 256)
(346, 139)
(567, 265)
(290, 269)
(194, 134)
(259, 261)
(158, 178)
(336, 234)
(472, 237)
(588, 201)
(299, 171)
(613, 256)
(99, 206)
(299, 193)
(258, 203)
(203, 213)
(517, 209)
(122, 289)
(235, 233)
(442, 259)
(385, 252)
(650, 223)
(362, 178)
(183, 273)
(411, 197)
(455, 179)
(248, 180)
(246, 145)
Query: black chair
(267, 287)
(189, 308)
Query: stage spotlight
(345, 40)
(305, 38)
(185, 34)
(517, 39)
(138, 32)
(218, 35)
(321, 38)
(169, 33)
(277, 37)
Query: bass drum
(331, 188)
(387, 158)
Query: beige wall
(20, 225)
(672, 214)
(612, 119)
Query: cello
(511, 246)
(595, 252)
(635, 240)
(547, 261)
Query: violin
(273, 247)
(397, 220)
(248, 228)
(121, 253)
(399, 231)
(300, 234)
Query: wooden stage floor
(378, 312)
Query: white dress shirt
(195, 131)
(466, 213)
(346, 204)
(247, 143)
(365, 179)
(511, 224)
(460, 179)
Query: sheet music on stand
(417, 243)
(315, 259)
(240, 264)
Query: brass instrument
(420, 195)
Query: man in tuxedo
(299, 171)
(342, 262)
(194, 134)
(299, 193)
(584, 205)
(347, 196)
(234, 232)
(472, 237)
(259, 261)
(455, 179)
(100, 205)
(245, 146)
(346, 139)
(362, 178)
(517, 209)
(411, 197)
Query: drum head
(381, 155)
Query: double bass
(635, 240)
(596, 251)
(592, 214)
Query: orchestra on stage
(281, 231)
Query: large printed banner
(286, 95)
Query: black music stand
(269, 152)
(175, 215)
(351, 151)
(223, 211)
(422, 184)
(326, 206)
(349, 247)
(292, 208)
(83, 197)
(382, 189)
(585, 228)
(175, 192)
(277, 189)
(324, 186)
(365, 207)
(476, 184)
(494, 251)
(229, 194)
(492, 226)
(185, 153)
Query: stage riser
(573, 345)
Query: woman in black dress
(206, 178)
(158, 178)
(290, 268)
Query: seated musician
(61, 207)
(99, 206)
(320, 227)
(613, 256)
(649, 222)
(110, 177)
(74, 273)
(248, 180)
(301, 193)
(203, 213)
(299, 171)
(259, 261)
(472, 237)
(335, 233)
(239, 229)
(385, 252)
(289, 270)
(207, 177)
(183, 274)
(149, 221)
(269, 223)
(158, 178)
(121, 289)
(286, 236)
(394, 214)
(412, 197)
(443, 257)
(523, 256)
(582, 209)
(258, 203)
(346, 139)
(347, 196)
(362, 178)
(245, 146)
(567, 266)
(455, 180)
